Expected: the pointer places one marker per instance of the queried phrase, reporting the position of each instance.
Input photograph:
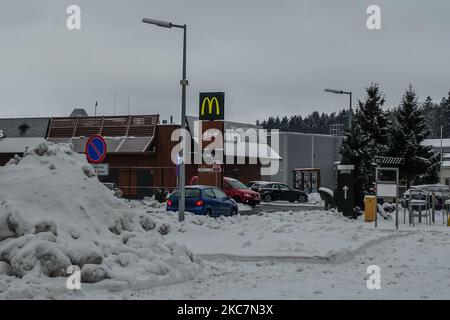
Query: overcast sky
(270, 57)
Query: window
(208, 193)
(219, 193)
(236, 184)
(283, 187)
(190, 193)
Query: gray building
(443, 145)
(307, 151)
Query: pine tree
(445, 115)
(409, 129)
(355, 150)
(284, 124)
(432, 113)
(373, 120)
(367, 138)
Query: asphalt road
(280, 206)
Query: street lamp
(183, 83)
(350, 109)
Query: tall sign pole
(184, 83)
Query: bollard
(370, 208)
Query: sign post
(101, 169)
(387, 181)
(346, 190)
(212, 106)
(211, 113)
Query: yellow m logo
(211, 103)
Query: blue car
(204, 200)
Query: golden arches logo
(211, 103)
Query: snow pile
(315, 198)
(315, 234)
(54, 213)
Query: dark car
(204, 200)
(279, 191)
(256, 185)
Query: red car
(237, 191)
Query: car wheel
(208, 212)
(267, 198)
(234, 212)
(237, 199)
(302, 198)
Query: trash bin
(370, 204)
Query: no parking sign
(96, 149)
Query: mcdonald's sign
(212, 106)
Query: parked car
(279, 191)
(237, 191)
(240, 192)
(114, 188)
(442, 193)
(256, 185)
(204, 200)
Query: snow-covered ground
(315, 235)
(54, 213)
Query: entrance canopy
(18, 134)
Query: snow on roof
(248, 149)
(19, 145)
(24, 127)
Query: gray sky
(270, 57)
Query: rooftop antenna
(129, 104)
(115, 100)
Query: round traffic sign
(95, 149)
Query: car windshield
(219, 193)
(190, 193)
(236, 184)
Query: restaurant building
(139, 148)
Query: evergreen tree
(373, 120)
(284, 124)
(407, 132)
(367, 138)
(445, 115)
(355, 150)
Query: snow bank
(55, 213)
